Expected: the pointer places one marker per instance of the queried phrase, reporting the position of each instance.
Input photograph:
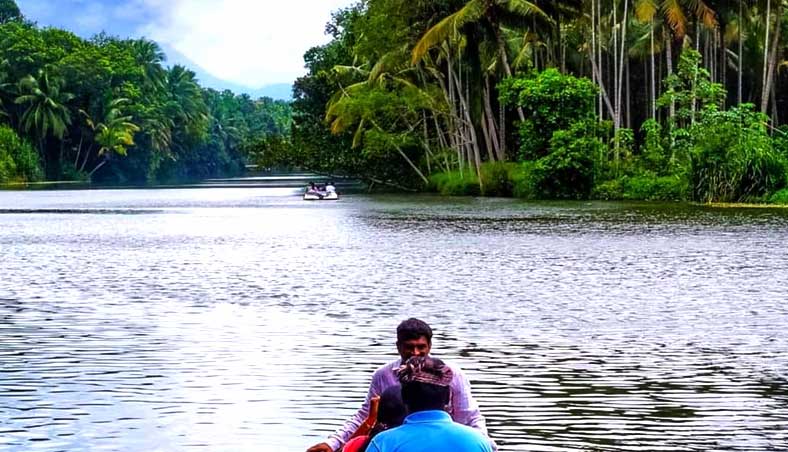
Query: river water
(245, 319)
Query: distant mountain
(278, 91)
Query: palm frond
(645, 10)
(674, 14)
(359, 135)
(341, 69)
(471, 12)
(524, 8)
(731, 33)
(704, 13)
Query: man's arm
(343, 434)
(464, 409)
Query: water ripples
(238, 319)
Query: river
(246, 319)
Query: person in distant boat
(414, 338)
(391, 413)
(426, 390)
(312, 188)
(330, 188)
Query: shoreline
(22, 186)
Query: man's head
(392, 409)
(414, 338)
(425, 383)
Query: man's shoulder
(392, 435)
(469, 434)
(388, 367)
(452, 365)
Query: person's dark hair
(413, 329)
(391, 413)
(420, 396)
(425, 384)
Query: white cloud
(253, 43)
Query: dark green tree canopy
(9, 11)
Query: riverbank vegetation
(107, 109)
(573, 99)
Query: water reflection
(245, 319)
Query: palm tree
(186, 101)
(390, 74)
(115, 134)
(47, 113)
(489, 14)
(770, 55)
(675, 15)
(149, 56)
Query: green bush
(734, 158)
(524, 183)
(551, 101)
(7, 166)
(497, 178)
(652, 151)
(455, 184)
(647, 187)
(568, 171)
(18, 160)
(609, 190)
(781, 197)
(656, 188)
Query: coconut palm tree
(488, 15)
(46, 113)
(675, 14)
(186, 101)
(149, 56)
(115, 134)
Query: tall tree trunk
(426, 140)
(79, 151)
(488, 113)
(502, 129)
(85, 160)
(407, 159)
(622, 59)
(764, 93)
(454, 123)
(629, 99)
(487, 140)
(775, 110)
(739, 68)
(669, 62)
(722, 66)
(102, 163)
(772, 60)
(602, 90)
(600, 59)
(653, 77)
(506, 67)
(592, 55)
(473, 147)
(616, 97)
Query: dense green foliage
(549, 99)
(733, 157)
(551, 102)
(107, 109)
(18, 159)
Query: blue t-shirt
(430, 431)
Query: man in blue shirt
(428, 428)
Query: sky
(248, 43)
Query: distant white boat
(319, 195)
